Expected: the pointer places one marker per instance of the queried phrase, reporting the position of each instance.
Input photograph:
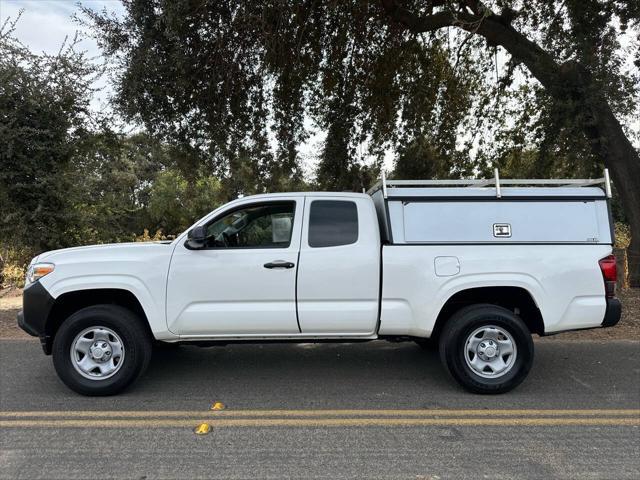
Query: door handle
(279, 264)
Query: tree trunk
(624, 162)
(604, 131)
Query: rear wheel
(100, 350)
(486, 348)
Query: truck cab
(281, 265)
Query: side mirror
(196, 238)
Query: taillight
(609, 270)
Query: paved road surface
(374, 410)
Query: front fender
(152, 302)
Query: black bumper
(23, 325)
(36, 307)
(613, 312)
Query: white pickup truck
(473, 267)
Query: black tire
(459, 328)
(135, 340)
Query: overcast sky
(45, 23)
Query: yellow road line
(320, 422)
(97, 414)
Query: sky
(45, 24)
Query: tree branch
(608, 139)
(415, 23)
(488, 25)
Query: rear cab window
(332, 223)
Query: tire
(123, 335)
(474, 348)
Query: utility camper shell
(468, 212)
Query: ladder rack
(495, 182)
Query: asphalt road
(373, 410)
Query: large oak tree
(576, 61)
(231, 78)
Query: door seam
(304, 205)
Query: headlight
(37, 271)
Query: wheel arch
(68, 303)
(517, 299)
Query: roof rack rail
(495, 182)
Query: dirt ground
(10, 304)
(627, 329)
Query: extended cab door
(339, 267)
(243, 282)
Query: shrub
(145, 237)
(623, 235)
(13, 266)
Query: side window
(259, 226)
(332, 223)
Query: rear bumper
(613, 312)
(36, 307)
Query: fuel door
(446, 266)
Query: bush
(13, 275)
(623, 235)
(13, 266)
(145, 237)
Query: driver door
(243, 282)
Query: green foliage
(224, 76)
(266, 66)
(226, 92)
(545, 127)
(423, 159)
(66, 179)
(174, 203)
(43, 101)
(113, 176)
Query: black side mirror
(196, 238)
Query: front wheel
(486, 348)
(100, 350)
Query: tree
(43, 104)
(576, 61)
(113, 175)
(228, 77)
(422, 159)
(174, 203)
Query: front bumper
(23, 325)
(36, 307)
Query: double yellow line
(318, 418)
